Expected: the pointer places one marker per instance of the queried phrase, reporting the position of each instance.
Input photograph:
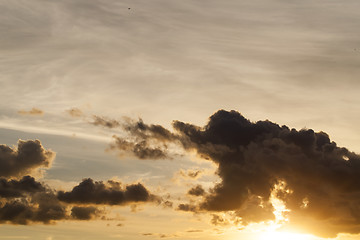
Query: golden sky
(112, 127)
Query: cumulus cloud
(19, 188)
(32, 207)
(320, 179)
(109, 193)
(26, 158)
(27, 201)
(32, 112)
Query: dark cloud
(319, 179)
(19, 188)
(75, 112)
(142, 149)
(110, 193)
(84, 213)
(28, 156)
(187, 207)
(253, 158)
(143, 140)
(41, 207)
(32, 112)
(197, 191)
(105, 122)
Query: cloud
(195, 231)
(143, 141)
(109, 193)
(187, 207)
(191, 173)
(319, 179)
(18, 188)
(27, 201)
(141, 150)
(105, 122)
(28, 157)
(38, 207)
(197, 191)
(219, 220)
(84, 213)
(75, 112)
(32, 112)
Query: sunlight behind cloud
(273, 235)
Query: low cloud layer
(109, 193)
(25, 159)
(23, 200)
(318, 179)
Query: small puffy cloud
(26, 158)
(32, 112)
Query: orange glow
(273, 235)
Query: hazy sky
(78, 75)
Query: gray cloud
(141, 149)
(84, 213)
(38, 207)
(255, 158)
(109, 193)
(105, 122)
(19, 188)
(28, 157)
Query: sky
(179, 119)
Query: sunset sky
(180, 119)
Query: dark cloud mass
(320, 181)
(18, 188)
(28, 156)
(109, 193)
(33, 207)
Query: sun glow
(273, 235)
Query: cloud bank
(23, 200)
(110, 193)
(316, 179)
